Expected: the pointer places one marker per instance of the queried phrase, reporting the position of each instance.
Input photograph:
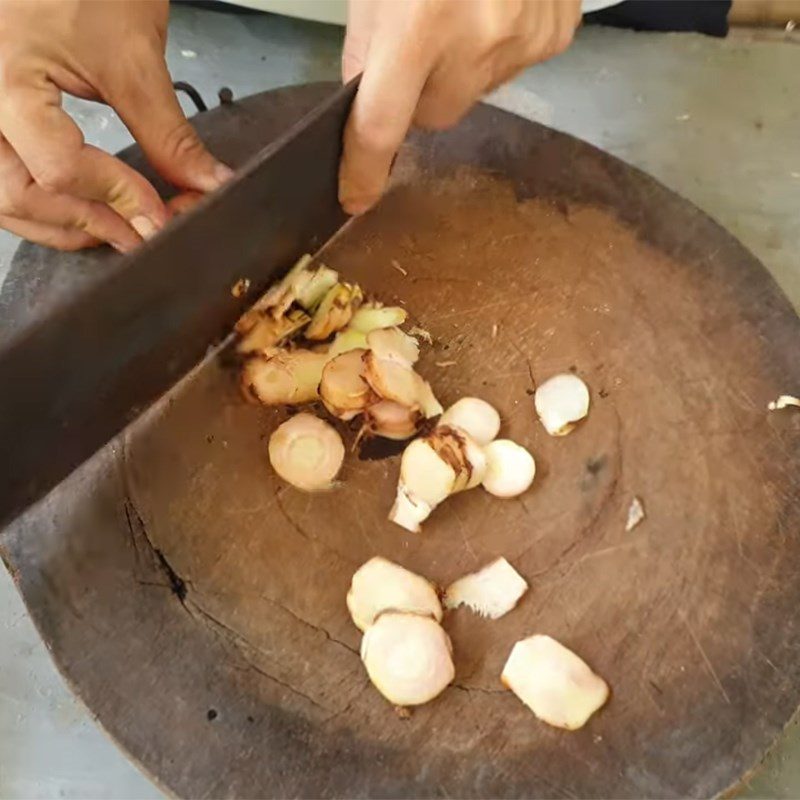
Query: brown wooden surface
(197, 604)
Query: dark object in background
(700, 16)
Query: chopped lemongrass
(561, 402)
(306, 452)
(381, 585)
(372, 316)
(280, 377)
(343, 390)
(553, 682)
(475, 417)
(408, 658)
(320, 281)
(491, 592)
(394, 345)
(335, 311)
(266, 331)
(391, 420)
(510, 468)
(348, 339)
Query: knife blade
(74, 380)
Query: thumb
(149, 107)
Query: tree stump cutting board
(196, 603)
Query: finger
(381, 115)
(360, 24)
(450, 92)
(53, 149)
(184, 202)
(147, 104)
(48, 235)
(22, 198)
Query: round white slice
(408, 658)
(553, 682)
(475, 417)
(510, 468)
(560, 402)
(424, 474)
(306, 452)
(381, 585)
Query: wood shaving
(446, 363)
(397, 266)
(635, 514)
(421, 333)
(241, 287)
(784, 401)
(495, 328)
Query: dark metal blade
(76, 379)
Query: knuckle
(375, 134)
(54, 176)
(182, 142)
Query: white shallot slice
(409, 512)
(561, 402)
(784, 401)
(342, 389)
(380, 585)
(394, 345)
(424, 474)
(553, 682)
(510, 468)
(283, 377)
(306, 452)
(475, 417)
(408, 658)
(491, 592)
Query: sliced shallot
(394, 345)
(553, 682)
(306, 452)
(381, 585)
(475, 417)
(561, 402)
(408, 658)
(510, 468)
(491, 592)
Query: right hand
(57, 190)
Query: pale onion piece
(342, 387)
(408, 658)
(335, 311)
(424, 474)
(553, 682)
(409, 512)
(306, 452)
(267, 331)
(474, 416)
(394, 345)
(635, 514)
(784, 401)
(491, 592)
(430, 406)
(458, 450)
(348, 339)
(561, 402)
(372, 316)
(283, 377)
(381, 585)
(510, 468)
(391, 420)
(311, 291)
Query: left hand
(426, 62)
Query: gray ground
(717, 121)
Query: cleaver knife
(74, 380)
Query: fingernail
(120, 248)
(144, 226)
(223, 173)
(355, 207)
(211, 181)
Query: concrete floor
(717, 121)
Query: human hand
(426, 62)
(55, 188)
